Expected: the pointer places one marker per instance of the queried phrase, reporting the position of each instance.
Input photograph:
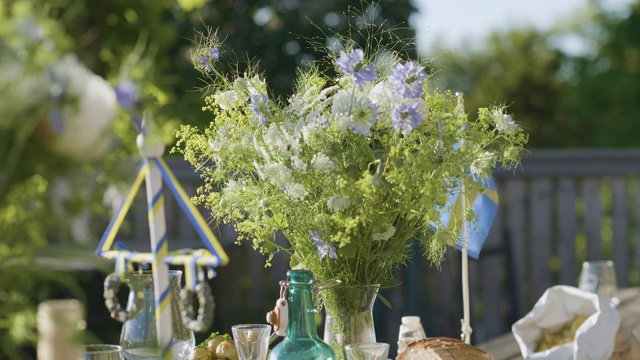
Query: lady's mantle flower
(204, 62)
(406, 117)
(353, 64)
(504, 122)
(323, 248)
(409, 79)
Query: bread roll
(442, 348)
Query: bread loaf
(442, 348)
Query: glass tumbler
(600, 277)
(252, 340)
(102, 352)
(367, 351)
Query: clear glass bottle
(302, 341)
(411, 330)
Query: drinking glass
(102, 352)
(252, 340)
(367, 351)
(600, 277)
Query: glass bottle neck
(301, 316)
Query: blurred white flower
(85, 134)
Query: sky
(450, 22)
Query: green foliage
(563, 99)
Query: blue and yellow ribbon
(215, 256)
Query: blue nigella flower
(127, 94)
(323, 248)
(352, 64)
(408, 79)
(204, 61)
(406, 117)
(259, 103)
(214, 53)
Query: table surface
(505, 346)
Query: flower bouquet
(350, 169)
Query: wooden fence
(557, 210)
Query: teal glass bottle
(302, 341)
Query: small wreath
(206, 304)
(111, 286)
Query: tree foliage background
(564, 99)
(149, 42)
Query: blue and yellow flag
(482, 197)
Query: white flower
(322, 163)
(240, 85)
(341, 102)
(483, 164)
(256, 86)
(233, 188)
(277, 173)
(387, 232)
(385, 96)
(227, 100)
(298, 163)
(281, 142)
(296, 191)
(354, 113)
(504, 122)
(315, 124)
(338, 203)
(261, 149)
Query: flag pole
(466, 329)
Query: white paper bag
(559, 305)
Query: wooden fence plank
(620, 220)
(492, 282)
(567, 231)
(637, 228)
(517, 230)
(621, 249)
(593, 217)
(541, 211)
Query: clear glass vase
(139, 338)
(349, 315)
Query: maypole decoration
(153, 170)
